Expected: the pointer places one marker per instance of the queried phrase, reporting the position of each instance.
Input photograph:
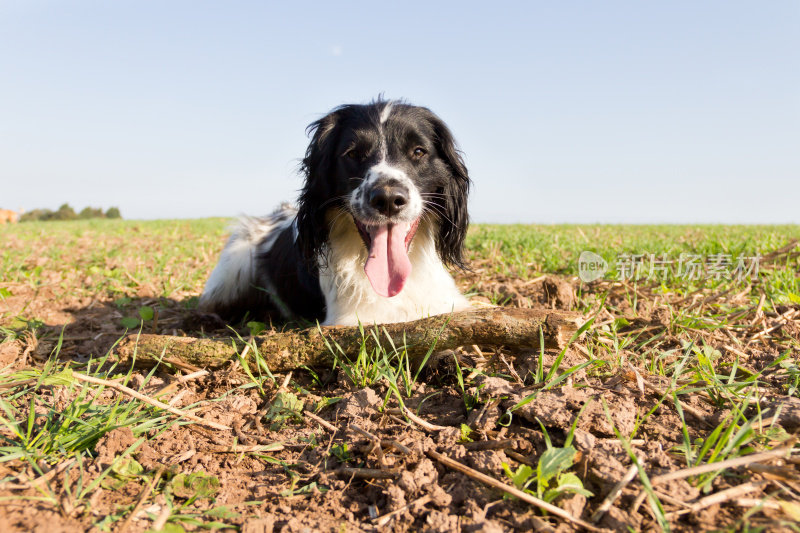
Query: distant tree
(65, 212)
(91, 212)
(36, 214)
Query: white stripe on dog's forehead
(385, 112)
(385, 169)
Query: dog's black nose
(388, 200)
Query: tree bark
(510, 327)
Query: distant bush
(91, 212)
(36, 214)
(66, 212)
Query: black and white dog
(383, 210)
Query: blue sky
(566, 111)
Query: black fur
(297, 290)
(441, 177)
(416, 158)
(453, 227)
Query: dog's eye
(418, 153)
(351, 154)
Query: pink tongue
(388, 266)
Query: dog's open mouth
(388, 265)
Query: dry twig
(720, 497)
(367, 473)
(524, 496)
(614, 494)
(383, 520)
(139, 396)
(414, 418)
(141, 499)
(730, 463)
(321, 421)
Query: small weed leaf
(466, 431)
(521, 477)
(222, 512)
(256, 327)
(326, 402)
(620, 322)
(129, 322)
(341, 452)
(122, 471)
(285, 406)
(169, 527)
(123, 301)
(195, 486)
(311, 488)
(567, 482)
(62, 377)
(146, 312)
(4, 293)
(553, 461)
(127, 467)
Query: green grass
(133, 265)
(530, 250)
(43, 433)
(119, 255)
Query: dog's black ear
(455, 192)
(312, 231)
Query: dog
(380, 217)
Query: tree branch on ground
(287, 350)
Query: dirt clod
(730, 361)
(112, 444)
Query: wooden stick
(288, 350)
(720, 497)
(524, 496)
(383, 520)
(321, 421)
(163, 514)
(179, 380)
(139, 396)
(480, 445)
(756, 502)
(518, 457)
(366, 473)
(388, 443)
(615, 492)
(424, 424)
(730, 463)
(142, 497)
(699, 415)
(254, 448)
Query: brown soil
(313, 484)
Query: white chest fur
(349, 297)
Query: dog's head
(388, 165)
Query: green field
(704, 360)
